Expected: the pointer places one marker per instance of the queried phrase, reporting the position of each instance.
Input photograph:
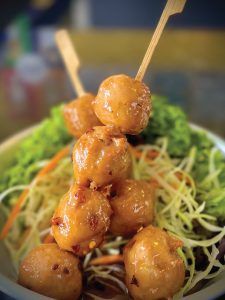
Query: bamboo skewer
(172, 7)
(70, 59)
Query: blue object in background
(5, 297)
(117, 13)
(50, 15)
(145, 13)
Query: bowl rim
(16, 291)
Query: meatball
(133, 207)
(101, 157)
(79, 115)
(52, 272)
(81, 220)
(154, 270)
(123, 102)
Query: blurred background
(111, 37)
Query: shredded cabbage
(177, 210)
(33, 221)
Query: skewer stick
(70, 59)
(172, 7)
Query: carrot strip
(181, 177)
(154, 183)
(12, 216)
(151, 154)
(16, 209)
(107, 260)
(53, 163)
(48, 239)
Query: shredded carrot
(53, 163)
(48, 239)
(154, 183)
(16, 209)
(107, 260)
(181, 177)
(151, 154)
(135, 152)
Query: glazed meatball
(133, 207)
(81, 220)
(123, 102)
(52, 272)
(154, 270)
(79, 115)
(101, 157)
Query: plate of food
(114, 196)
(179, 157)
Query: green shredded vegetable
(180, 213)
(169, 120)
(47, 139)
(204, 151)
(33, 222)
